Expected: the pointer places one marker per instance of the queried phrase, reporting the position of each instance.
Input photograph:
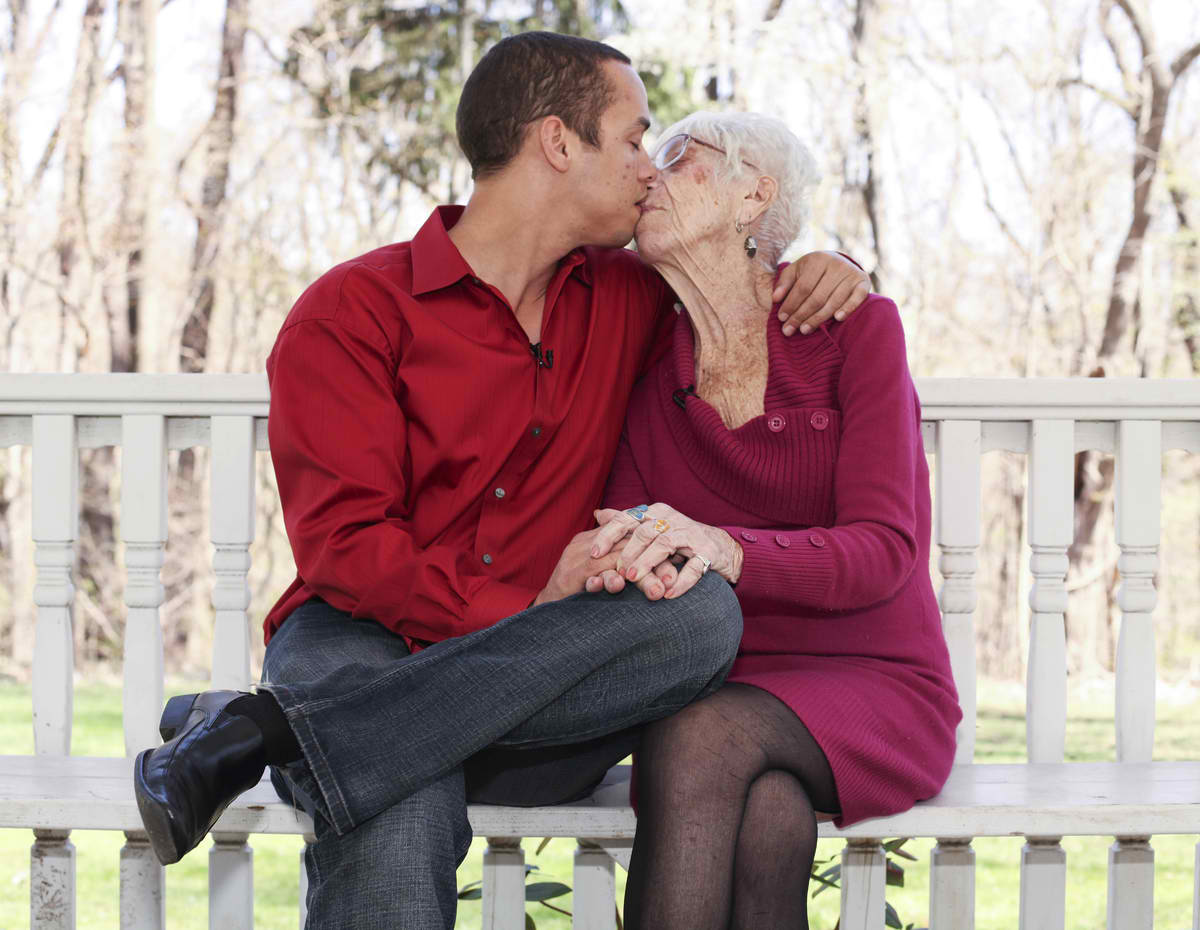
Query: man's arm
(338, 443)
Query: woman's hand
(662, 535)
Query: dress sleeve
(872, 549)
(338, 443)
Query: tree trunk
(135, 30)
(181, 573)
(1094, 473)
(219, 134)
(865, 15)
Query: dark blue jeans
(532, 710)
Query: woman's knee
(703, 744)
(773, 798)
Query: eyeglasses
(672, 150)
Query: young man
(443, 415)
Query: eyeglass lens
(671, 152)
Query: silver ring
(707, 563)
(639, 512)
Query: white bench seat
(1067, 799)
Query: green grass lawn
(97, 731)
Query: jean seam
(335, 801)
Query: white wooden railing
(1047, 420)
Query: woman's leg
(695, 773)
(775, 850)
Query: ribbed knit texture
(828, 494)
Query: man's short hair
(528, 77)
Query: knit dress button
(782, 541)
(776, 423)
(499, 492)
(487, 559)
(819, 420)
(749, 537)
(817, 540)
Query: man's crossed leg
(532, 710)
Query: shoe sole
(156, 818)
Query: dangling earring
(751, 244)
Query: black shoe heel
(175, 715)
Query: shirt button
(817, 540)
(537, 431)
(499, 492)
(819, 420)
(749, 537)
(487, 559)
(783, 541)
(776, 423)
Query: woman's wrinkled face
(688, 205)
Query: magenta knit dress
(828, 493)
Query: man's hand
(577, 570)
(818, 286)
(575, 566)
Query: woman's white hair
(767, 143)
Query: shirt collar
(437, 263)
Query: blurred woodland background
(1023, 178)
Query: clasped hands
(664, 554)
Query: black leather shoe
(184, 786)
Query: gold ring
(661, 526)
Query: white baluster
(503, 884)
(309, 839)
(143, 903)
(55, 521)
(863, 885)
(231, 882)
(1138, 508)
(232, 532)
(1131, 884)
(52, 881)
(952, 885)
(595, 892)
(1043, 884)
(1051, 528)
(144, 531)
(1196, 891)
(958, 448)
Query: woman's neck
(728, 298)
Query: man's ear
(555, 140)
(757, 201)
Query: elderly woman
(794, 469)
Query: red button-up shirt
(430, 470)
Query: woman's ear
(759, 199)
(555, 143)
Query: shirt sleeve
(871, 550)
(338, 443)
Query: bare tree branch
(1127, 104)
(1185, 59)
(1151, 61)
(1129, 74)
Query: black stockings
(727, 790)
